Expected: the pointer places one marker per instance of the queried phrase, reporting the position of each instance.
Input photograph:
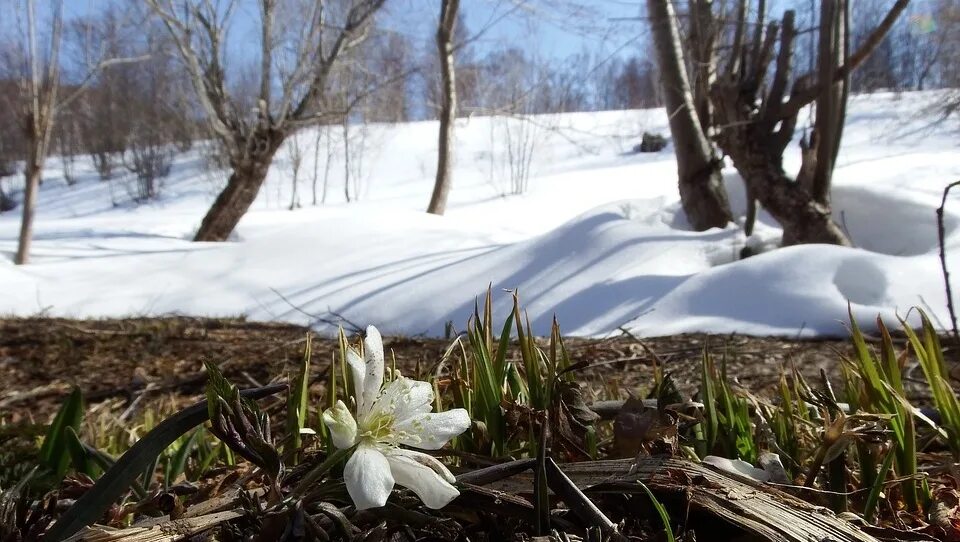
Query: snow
(598, 237)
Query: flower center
(378, 427)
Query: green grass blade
(873, 497)
(661, 511)
(177, 464)
(710, 414)
(489, 392)
(930, 356)
(54, 454)
(500, 362)
(867, 367)
(888, 357)
(297, 405)
(79, 456)
(112, 485)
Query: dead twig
(337, 320)
(941, 235)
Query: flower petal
(373, 377)
(430, 431)
(368, 478)
(404, 398)
(342, 426)
(424, 475)
(357, 373)
(737, 466)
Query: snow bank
(598, 239)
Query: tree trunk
(831, 103)
(346, 159)
(755, 138)
(804, 220)
(701, 185)
(316, 163)
(327, 165)
(448, 106)
(241, 191)
(703, 42)
(32, 177)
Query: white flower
(386, 418)
(737, 467)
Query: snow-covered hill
(597, 238)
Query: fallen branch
(759, 509)
(168, 531)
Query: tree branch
(88, 79)
(357, 19)
(797, 102)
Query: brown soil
(41, 359)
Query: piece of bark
(756, 508)
(169, 531)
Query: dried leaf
(639, 429)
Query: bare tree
(295, 155)
(880, 71)
(345, 127)
(633, 85)
(518, 136)
(42, 87)
(68, 146)
(40, 90)
(388, 59)
(448, 106)
(756, 120)
(105, 114)
(702, 193)
(322, 132)
(296, 60)
(150, 160)
(704, 36)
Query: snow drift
(598, 239)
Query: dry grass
(41, 359)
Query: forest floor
(42, 359)
(133, 372)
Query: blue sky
(551, 29)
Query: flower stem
(320, 470)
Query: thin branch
(941, 235)
(268, 8)
(182, 35)
(88, 79)
(797, 102)
(340, 319)
(784, 68)
(737, 48)
(351, 35)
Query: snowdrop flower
(387, 417)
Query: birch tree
(702, 193)
(41, 102)
(448, 105)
